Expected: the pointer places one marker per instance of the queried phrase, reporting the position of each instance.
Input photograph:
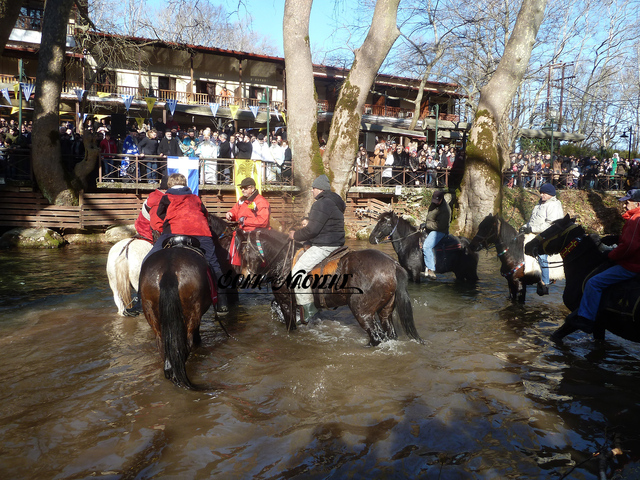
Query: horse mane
(217, 225)
(510, 238)
(275, 241)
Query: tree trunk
(302, 114)
(9, 13)
(342, 145)
(46, 158)
(481, 184)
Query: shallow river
(489, 395)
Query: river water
(488, 397)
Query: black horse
(582, 256)
(494, 230)
(452, 253)
(368, 281)
(175, 292)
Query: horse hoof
(562, 332)
(542, 290)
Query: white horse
(123, 270)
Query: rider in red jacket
(184, 214)
(252, 211)
(627, 257)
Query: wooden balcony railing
(385, 111)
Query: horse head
(555, 238)
(488, 233)
(387, 222)
(261, 250)
(219, 226)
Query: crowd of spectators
(532, 170)
(413, 164)
(15, 142)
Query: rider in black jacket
(325, 233)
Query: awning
(374, 127)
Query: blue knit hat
(548, 189)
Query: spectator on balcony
(225, 96)
(361, 165)
(414, 163)
(171, 123)
(228, 150)
(108, 148)
(189, 144)
(169, 145)
(277, 153)
(379, 158)
(208, 152)
(149, 145)
(400, 157)
(160, 126)
(260, 151)
(287, 172)
(244, 146)
(387, 171)
(129, 147)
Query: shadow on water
(488, 396)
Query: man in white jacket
(544, 213)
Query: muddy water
(488, 396)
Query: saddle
(328, 266)
(183, 241)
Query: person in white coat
(548, 210)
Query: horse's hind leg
(369, 325)
(386, 319)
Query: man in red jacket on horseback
(184, 214)
(252, 211)
(627, 257)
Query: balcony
(185, 98)
(324, 106)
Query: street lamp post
(624, 135)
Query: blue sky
(268, 15)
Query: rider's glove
(525, 229)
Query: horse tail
(403, 304)
(174, 331)
(123, 282)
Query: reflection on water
(488, 396)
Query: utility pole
(552, 67)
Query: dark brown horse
(494, 230)
(582, 256)
(175, 291)
(452, 253)
(368, 281)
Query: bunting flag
(127, 101)
(247, 169)
(254, 110)
(284, 118)
(27, 89)
(103, 94)
(172, 105)
(84, 118)
(139, 121)
(277, 113)
(16, 89)
(5, 93)
(151, 101)
(187, 166)
(79, 93)
(14, 110)
(214, 108)
(234, 110)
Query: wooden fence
(102, 210)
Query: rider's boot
(222, 307)
(135, 309)
(306, 313)
(542, 289)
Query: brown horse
(368, 281)
(175, 291)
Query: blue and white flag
(127, 101)
(277, 113)
(79, 93)
(254, 110)
(187, 166)
(214, 108)
(172, 105)
(27, 89)
(5, 93)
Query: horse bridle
(567, 248)
(388, 237)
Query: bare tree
(46, 157)
(482, 182)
